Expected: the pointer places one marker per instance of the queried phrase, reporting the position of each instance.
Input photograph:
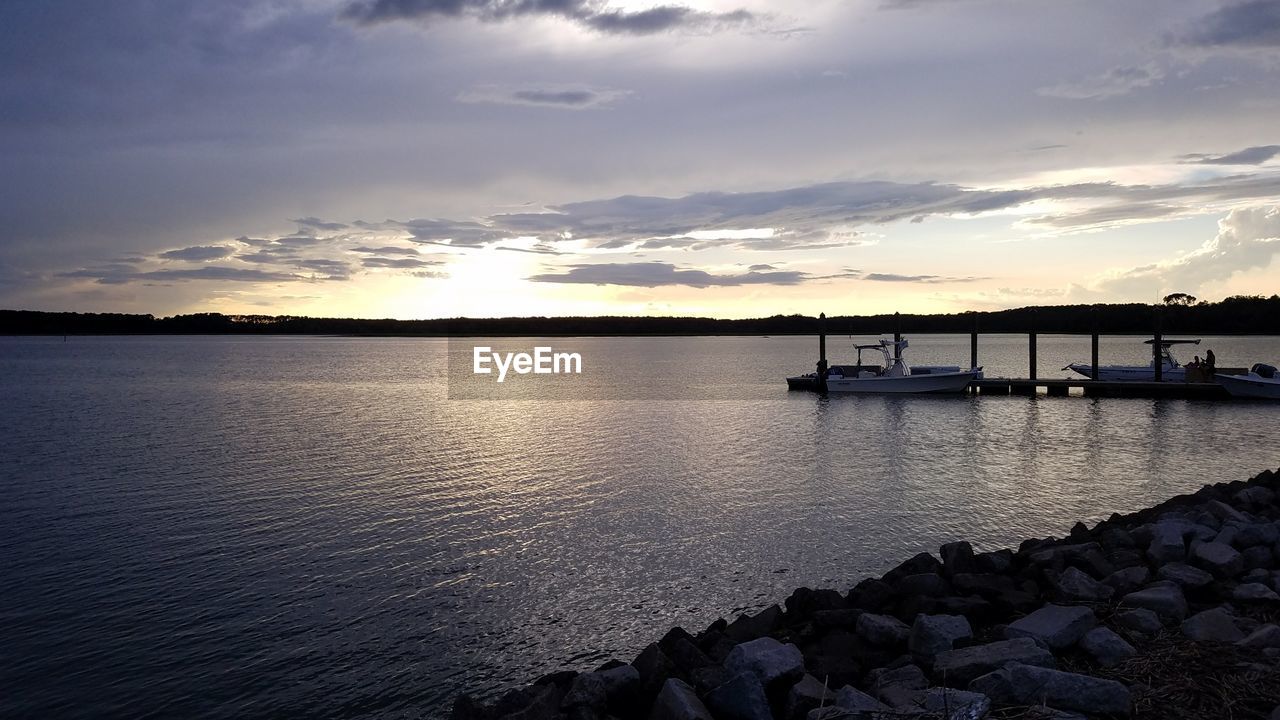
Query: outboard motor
(1264, 370)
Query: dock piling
(973, 343)
(897, 336)
(1157, 361)
(822, 352)
(1031, 352)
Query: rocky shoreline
(1169, 612)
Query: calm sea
(249, 527)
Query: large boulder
(1075, 584)
(1167, 543)
(922, 584)
(1218, 558)
(1254, 592)
(587, 690)
(957, 557)
(1128, 579)
(772, 663)
(1267, 636)
(1184, 575)
(850, 698)
(959, 666)
(1057, 626)
(677, 701)
(1138, 620)
(921, 563)
(951, 704)
(1028, 684)
(1106, 647)
(1213, 625)
(750, 627)
(806, 695)
(897, 687)
(742, 698)
(883, 630)
(1165, 600)
(932, 634)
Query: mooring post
(1031, 353)
(822, 352)
(1094, 354)
(973, 343)
(1156, 359)
(897, 336)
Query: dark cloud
(760, 268)
(384, 250)
(455, 233)
(401, 263)
(117, 275)
(1253, 24)
(1107, 215)
(199, 253)
(588, 13)
(318, 224)
(1256, 155)
(565, 97)
(655, 274)
(926, 279)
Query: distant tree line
(1243, 315)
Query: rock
(1257, 575)
(1267, 636)
(1057, 626)
(1029, 684)
(1257, 557)
(1074, 584)
(897, 687)
(951, 704)
(932, 634)
(957, 557)
(883, 630)
(850, 698)
(1184, 575)
(1167, 543)
(984, 584)
(742, 698)
(654, 667)
(587, 690)
(1256, 497)
(706, 679)
(686, 655)
(545, 705)
(1167, 601)
(1128, 579)
(1257, 534)
(1225, 512)
(845, 619)
(1214, 625)
(621, 684)
(1254, 592)
(806, 695)
(996, 561)
(804, 602)
(770, 661)
(677, 701)
(1116, 538)
(1138, 619)
(1221, 560)
(1105, 647)
(921, 563)
(751, 627)
(964, 664)
(926, 584)
(871, 594)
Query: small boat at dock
(1170, 369)
(1262, 381)
(890, 375)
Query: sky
(726, 158)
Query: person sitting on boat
(1209, 359)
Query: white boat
(1170, 369)
(891, 375)
(1262, 381)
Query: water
(231, 527)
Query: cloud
(655, 274)
(1116, 81)
(454, 233)
(384, 250)
(1107, 215)
(318, 224)
(400, 263)
(1247, 239)
(1249, 25)
(926, 279)
(115, 275)
(586, 13)
(199, 253)
(1256, 155)
(555, 96)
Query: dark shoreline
(1232, 316)
(1167, 612)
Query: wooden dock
(1099, 388)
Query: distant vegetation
(1178, 314)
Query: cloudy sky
(733, 158)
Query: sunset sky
(735, 158)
